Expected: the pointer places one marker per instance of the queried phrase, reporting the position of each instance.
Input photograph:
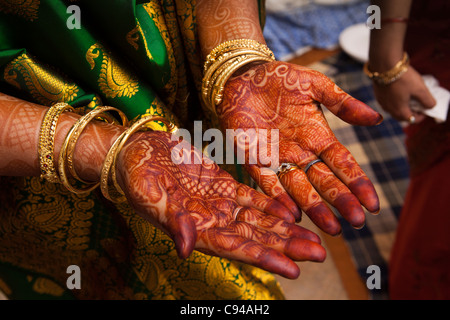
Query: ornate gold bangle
(109, 165)
(215, 69)
(233, 45)
(47, 141)
(223, 61)
(388, 77)
(68, 148)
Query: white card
(442, 97)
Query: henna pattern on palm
(288, 97)
(202, 207)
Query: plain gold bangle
(217, 91)
(47, 141)
(109, 165)
(78, 128)
(221, 60)
(68, 148)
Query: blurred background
(331, 36)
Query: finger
(342, 104)
(249, 197)
(268, 181)
(345, 167)
(273, 224)
(179, 225)
(226, 243)
(337, 194)
(307, 198)
(151, 200)
(425, 98)
(295, 248)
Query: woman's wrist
(91, 147)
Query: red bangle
(394, 20)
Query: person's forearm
(20, 123)
(387, 43)
(222, 20)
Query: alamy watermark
(374, 21)
(374, 280)
(241, 146)
(74, 280)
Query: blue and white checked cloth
(311, 25)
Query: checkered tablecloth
(380, 150)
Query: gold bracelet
(217, 91)
(223, 61)
(109, 165)
(215, 68)
(388, 77)
(47, 141)
(68, 148)
(233, 45)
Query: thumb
(343, 105)
(425, 98)
(181, 228)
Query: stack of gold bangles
(388, 77)
(226, 59)
(65, 171)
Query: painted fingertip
(380, 119)
(375, 213)
(291, 273)
(322, 216)
(319, 254)
(180, 247)
(287, 202)
(278, 210)
(359, 227)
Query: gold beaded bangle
(215, 68)
(68, 148)
(236, 44)
(223, 61)
(47, 141)
(109, 165)
(388, 77)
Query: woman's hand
(396, 97)
(201, 207)
(287, 97)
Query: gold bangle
(215, 68)
(111, 158)
(47, 141)
(235, 44)
(68, 148)
(388, 77)
(223, 61)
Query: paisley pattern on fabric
(45, 87)
(113, 80)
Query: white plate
(355, 41)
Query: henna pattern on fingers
(196, 205)
(278, 95)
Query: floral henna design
(288, 97)
(202, 207)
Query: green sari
(141, 57)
